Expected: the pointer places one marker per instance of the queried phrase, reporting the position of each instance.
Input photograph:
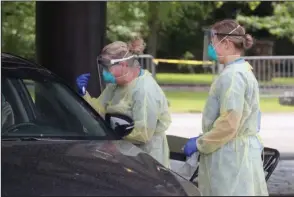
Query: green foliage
(253, 4)
(178, 24)
(281, 24)
(18, 28)
(127, 19)
(187, 56)
(187, 34)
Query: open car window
(42, 106)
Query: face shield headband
(107, 63)
(215, 33)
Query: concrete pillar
(69, 36)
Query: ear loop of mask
(224, 39)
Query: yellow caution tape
(190, 62)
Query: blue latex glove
(191, 146)
(82, 83)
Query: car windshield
(34, 103)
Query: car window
(51, 110)
(30, 86)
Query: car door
(14, 154)
(29, 158)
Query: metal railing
(146, 62)
(275, 74)
(268, 67)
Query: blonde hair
(243, 42)
(119, 49)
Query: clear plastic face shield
(104, 65)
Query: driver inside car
(132, 91)
(7, 116)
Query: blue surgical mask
(211, 53)
(108, 77)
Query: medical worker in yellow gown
(134, 92)
(230, 147)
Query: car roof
(13, 61)
(16, 64)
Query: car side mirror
(121, 124)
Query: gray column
(69, 36)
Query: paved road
(277, 131)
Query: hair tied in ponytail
(137, 46)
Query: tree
(151, 19)
(125, 19)
(18, 28)
(146, 19)
(280, 24)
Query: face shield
(104, 65)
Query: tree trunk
(154, 25)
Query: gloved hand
(82, 83)
(191, 146)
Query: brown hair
(119, 49)
(242, 42)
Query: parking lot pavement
(282, 180)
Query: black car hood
(76, 168)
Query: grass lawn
(192, 102)
(178, 78)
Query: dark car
(55, 144)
